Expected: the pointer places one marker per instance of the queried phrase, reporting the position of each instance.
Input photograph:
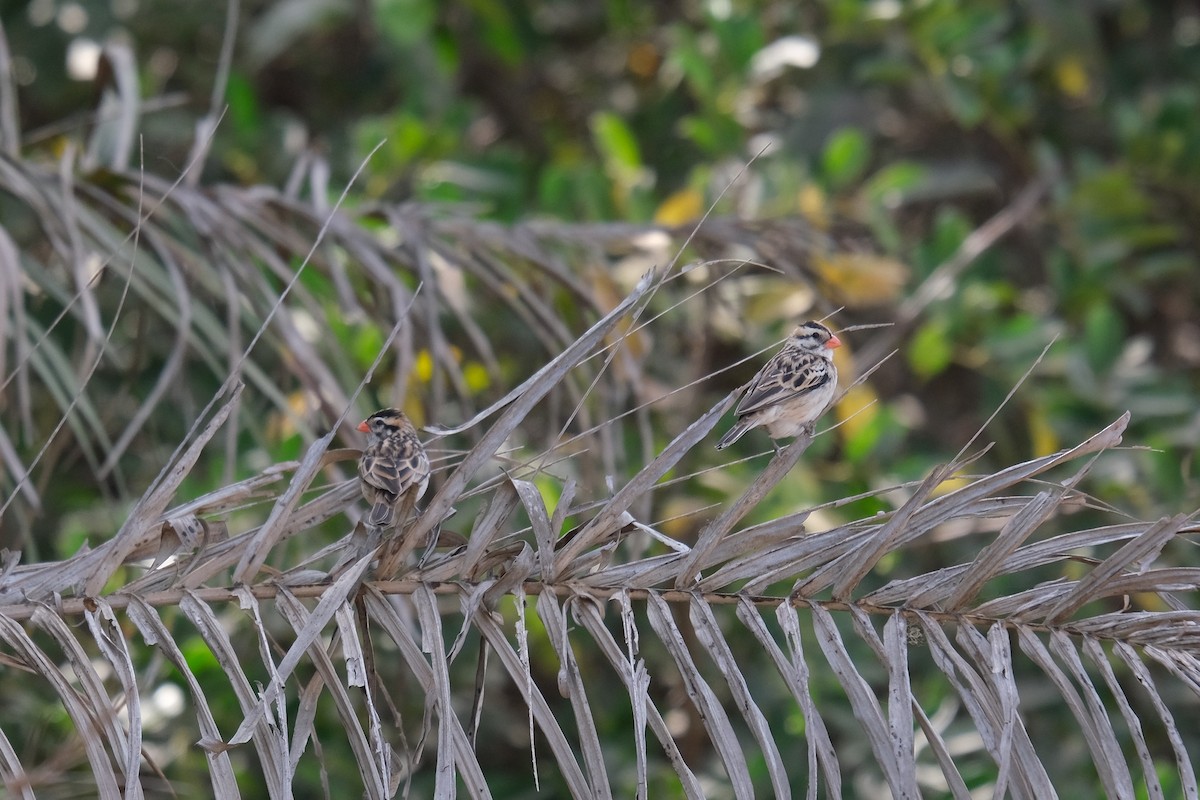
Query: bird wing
(396, 466)
(789, 374)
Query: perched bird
(392, 466)
(792, 389)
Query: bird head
(384, 422)
(815, 336)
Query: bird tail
(380, 515)
(735, 433)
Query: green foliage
(931, 349)
(845, 157)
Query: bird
(793, 389)
(393, 466)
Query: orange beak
(833, 343)
(362, 426)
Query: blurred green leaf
(712, 135)
(889, 184)
(1110, 195)
(931, 349)
(950, 228)
(696, 69)
(863, 443)
(964, 102)
(845, 156)
(405, 22)
(499, 29)
(1103, 337)
(740, 36)
(1011, 339)
(615, 141)
(578, 189)
(244, 110)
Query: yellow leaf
(643, 60)
(861, 279)
(1149, 601)
(1042, 438)
(813, 205)
(1072, 78)
(949, 485)
(857, 410)
(423, 369)
(415, 409)
(683, 206)
(476, 376)
(684, 516)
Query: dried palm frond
(158, 335)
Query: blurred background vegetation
(906, 124)
(881, 138)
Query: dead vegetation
(161, 341)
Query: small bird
(392, 466)
(792, 389)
